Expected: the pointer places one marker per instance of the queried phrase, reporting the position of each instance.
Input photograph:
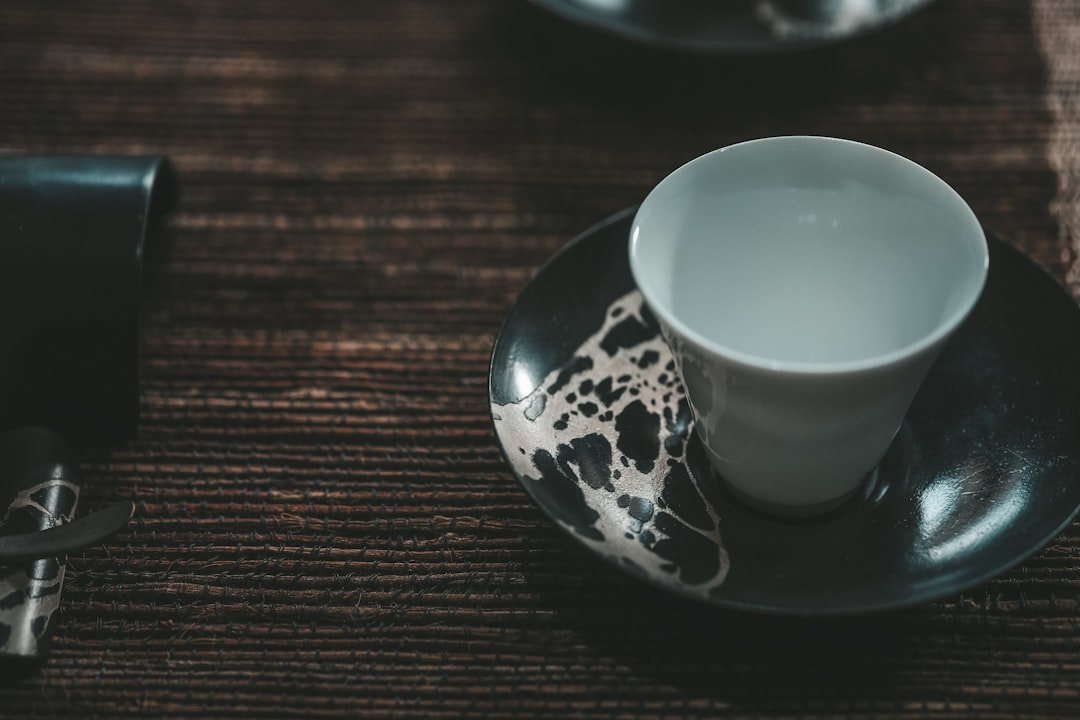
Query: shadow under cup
(805, 286)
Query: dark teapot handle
(39, 487)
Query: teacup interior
(809, 250)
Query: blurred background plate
(734, 26)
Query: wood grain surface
(325, 527)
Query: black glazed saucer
(734, 26)
(984, 472)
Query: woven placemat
(325, 527)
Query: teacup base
(792, 512)
(867, 486)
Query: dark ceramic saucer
(982, 475)
(734, 26)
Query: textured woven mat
(325, 527)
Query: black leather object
(72, 231)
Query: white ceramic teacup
(806, 286)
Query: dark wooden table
(325, 527)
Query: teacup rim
(915, 348)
